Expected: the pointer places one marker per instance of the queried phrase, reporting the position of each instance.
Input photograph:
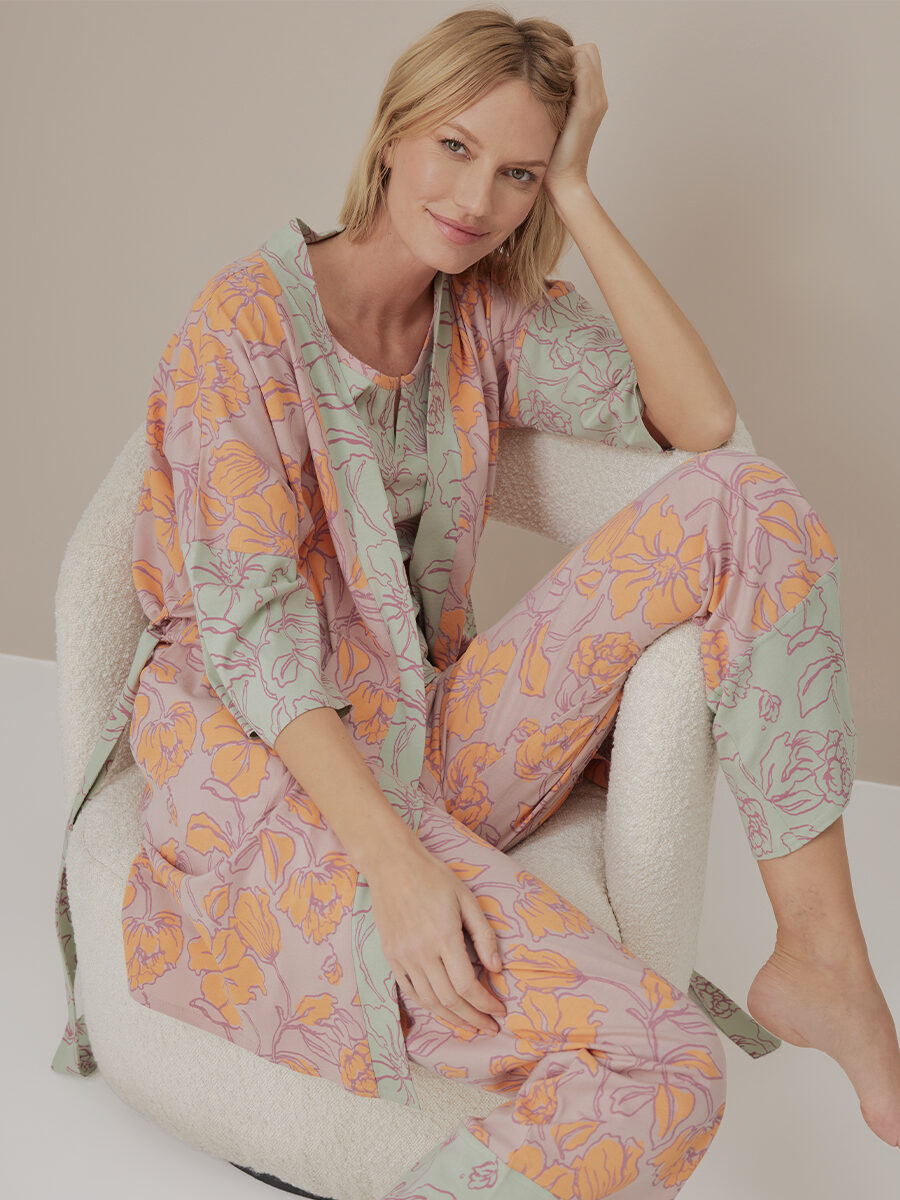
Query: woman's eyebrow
(538, 162)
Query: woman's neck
(376, 283)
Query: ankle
(846, 953)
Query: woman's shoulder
(254, 274)
(503, 318)
(242, 300)
(480, 292)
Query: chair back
(98, 615)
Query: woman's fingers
(435, 1006)
(449, 1001)
(483, 937)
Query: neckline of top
(308, 235)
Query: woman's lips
(459, 236)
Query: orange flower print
(152, 946)
(608, 1166)
(296, 800)
(317, 900)
(255, 925)
(659, 991)
(229, 973)
(677, 1161)
(277, 851)
(604, 658)
(372, 711)
(235, 470)
(714, 653)
(205, 834)
(332, 969)
(752, 471)
(671, 1106)
(444, 1068)
(535, 668)
(476, 685)
(162, 863)
(353, 660)
(546, 1171)
(536, 1103)
(216, 901)
(544, 911)
(656, 568)
(162, 746)
(780, 520)
(245, 300)
(206, 379)
(467, 797)
(451, 641)
(540, 970)
(265, 523)
(547, 749)
(572, 1134)
(356, 1070)
(548, 1022)
(765, 611)
(796, 584)
(603, 545)
(820, 541)
(277, 396)
(239, 762)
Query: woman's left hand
(587, 108)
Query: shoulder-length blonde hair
(445, 71)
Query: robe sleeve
(563, 367)
(239, 508)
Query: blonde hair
(445, 71)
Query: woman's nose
(473, 196)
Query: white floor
(792, 1129)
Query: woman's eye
(530, 177)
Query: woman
(336, 760)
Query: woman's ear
(387, 154)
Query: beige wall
(749, 156)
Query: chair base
(274, 1181)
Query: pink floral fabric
(286, 560)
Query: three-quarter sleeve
(564, 368)
(239, 511)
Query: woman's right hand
(421, 909)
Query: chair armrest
(565, 487)
(662, 777)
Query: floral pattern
(292, 551)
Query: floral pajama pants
(615, 1078)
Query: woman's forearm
(322, 756)
(685, 395)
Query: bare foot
(838, 1008)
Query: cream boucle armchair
(633, 858)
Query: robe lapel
(366, 545)
(355, 501)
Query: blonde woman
(337, 760)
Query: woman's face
(482, 169)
